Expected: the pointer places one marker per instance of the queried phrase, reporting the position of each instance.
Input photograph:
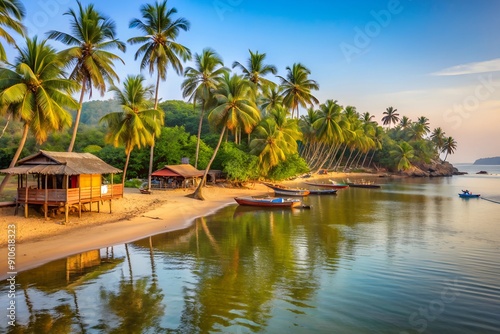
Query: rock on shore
(435, 168)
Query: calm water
(411, 257)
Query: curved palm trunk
(125, 169)
(77, 120)
(446, 156)
(6, 125)
(16, 155)
(371, 158)
(340, 158)
(151, 153)
(199, 136)
(198, 193)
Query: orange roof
(183, 170)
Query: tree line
(253, 120)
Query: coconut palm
(424, 123)
(36, 93)
(330, 126)
(288, 128)
(200, 82)
(92, 36)
(297, 88)
(256, 69)
(235, 108)
(438, 138)
(270, 98)
(405, 122)
(136, 125)
(269, 145)
(449, 146)
(402, 155)
(159, 48)
(11, 14)
(391, 116)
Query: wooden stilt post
(100, 198)
(26, 199)
(111, 199)
(90, 193)
(46, 205)
(79, 198)
(66, 205)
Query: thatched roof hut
(61, 163)
(64, 180)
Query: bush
(294, 165)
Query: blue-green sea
(410, 257)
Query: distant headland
(488, 161)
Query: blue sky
(439, 59)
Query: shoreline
(96, 230)
(135, 216)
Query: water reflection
(362, 261)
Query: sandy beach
(134, 216)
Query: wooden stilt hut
(64, 180)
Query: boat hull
(328, 185)
(469, 195)
(279, 190)
(322, 191)
(272, 202)
(361, 185)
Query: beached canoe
(268, 202)
(285, 191)
(329, 185)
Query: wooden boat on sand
(285, 191)
(269, 202)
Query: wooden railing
(73, 195)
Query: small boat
(467, 194)
(333, 185)
(270, 202)
(285, 191)
(362, 185)
(322, 191)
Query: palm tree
(297, 88)
(92, 35)
(269, 145)
(136, 125)
(200, 82)
(235, 108)
(402, 155)
(391, 116)
(35, 92)
(405, 122)
(271, 98)
(438, 138)
(424, 123)
(159, 48)
(11, 14)
(256, 69)
(449, 146)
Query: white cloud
(471, 68)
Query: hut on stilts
(63, 181)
